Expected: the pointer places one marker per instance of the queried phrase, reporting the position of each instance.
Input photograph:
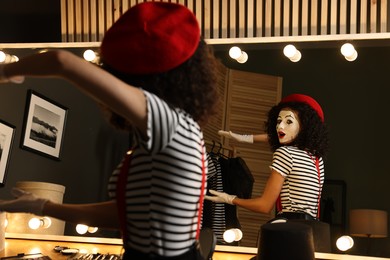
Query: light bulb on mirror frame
(349, 52)
(243, 57)
(81, 229)
(235, 52)
(35, 223)
(92, 230)
(231, 235)
(2, 56)
(289, 51)
(344, 243)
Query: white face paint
(287, 126)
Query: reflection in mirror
(353, 95)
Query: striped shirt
(302, 186)
(164, 182)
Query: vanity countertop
(30, 244)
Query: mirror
(354, 97)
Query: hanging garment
(230, 175)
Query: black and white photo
(6, 141)
(44, 125)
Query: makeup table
(44, 244)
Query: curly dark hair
(192, 86)
(313, 134)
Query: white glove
(237, 137)
(220, 197)
(5, 79)
(25, 202)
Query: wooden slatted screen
(87, 20)
(247, 98)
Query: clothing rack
(215, 146)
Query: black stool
(286, 241)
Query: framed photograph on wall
(7, 132)
(44, 125)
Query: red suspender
(121, 195)
(201, 198)
(320, 188)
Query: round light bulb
(34, 223)
(297, 57)
(352, 57)
(344, 243)
(2, 56)
(235, 52)
(243, 57)
(233, 234)
(347, 49)
(92, 229)
(228, 236)
(89, 55)
(81, 229)
(289, 51)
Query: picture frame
(333, 204)
(7, 132)
(44, 126)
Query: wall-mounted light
(237, 54)
(82, 229)
(91, 56)
(231, 235)
(292, 53)
(344, 243)
(35, 223)
(349, 52)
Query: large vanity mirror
(354, 97)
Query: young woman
(298, 137)
(158, 81)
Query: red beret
(151, 37)
(305, 99)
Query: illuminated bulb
(81, 229)
(352, 57)
(6, 223)
(243, 57)
(231, 235)
(89, 55)
(289, 51)
(344, 243)
(297, 56)
(235, 52)
(36, 223)
(2, 56)
(14, 58)
(92, 229)
(347, 50)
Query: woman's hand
(237, 137)
(220, 197)
(25, 202)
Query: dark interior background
(353, 95)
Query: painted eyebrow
(292, 116)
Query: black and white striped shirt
(302, 185)
(164, 182)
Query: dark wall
(27, 21)
(355, 100)
(91, 148)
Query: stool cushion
(286, 241)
